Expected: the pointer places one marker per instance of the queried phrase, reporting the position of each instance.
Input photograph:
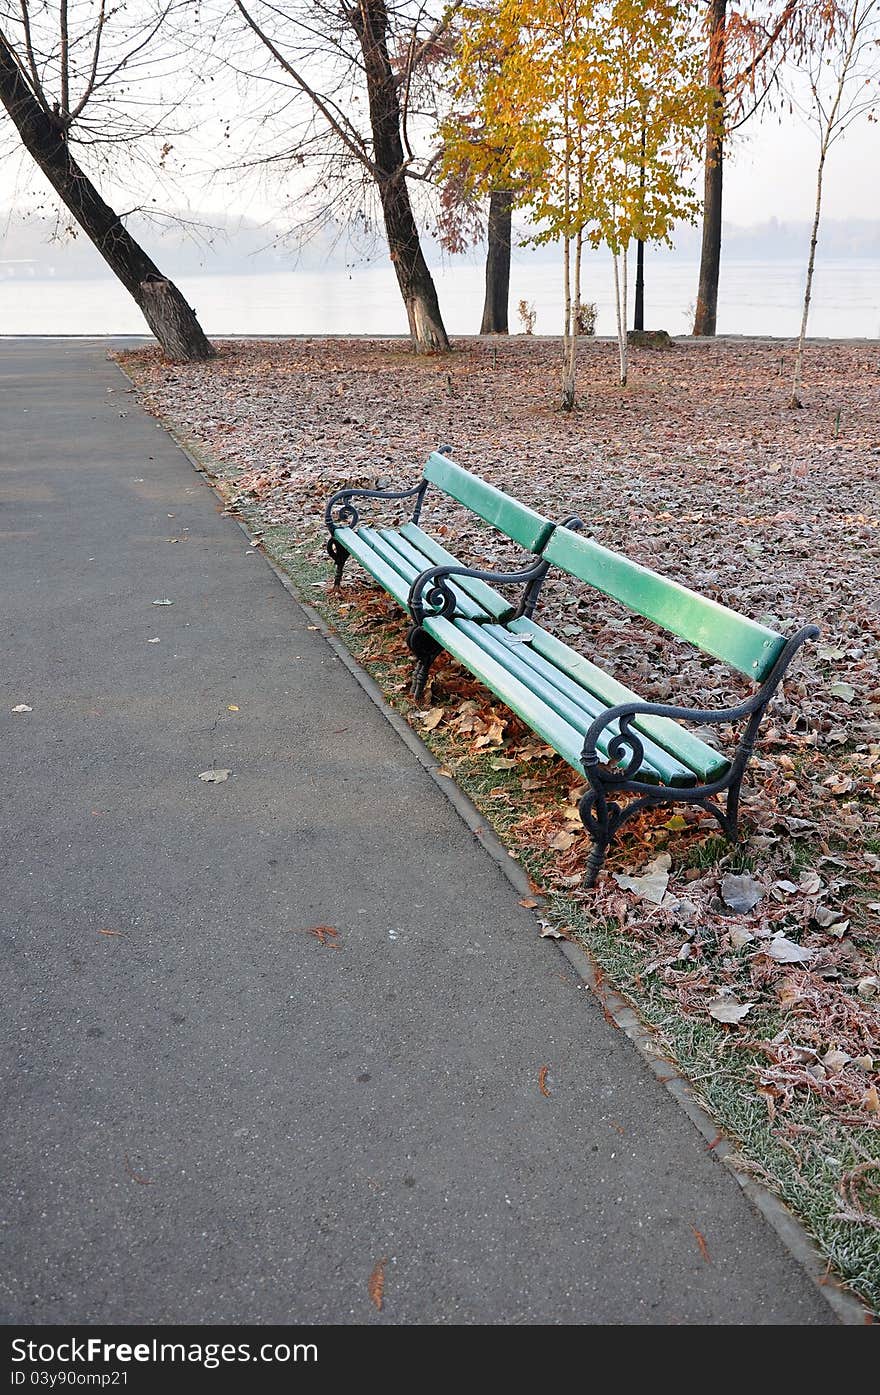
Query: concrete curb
(846, 1306)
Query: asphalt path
(211, 1116)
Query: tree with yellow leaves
(592, 111)
(652, 104)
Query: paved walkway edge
(846, 1306)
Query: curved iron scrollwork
(603, 817)
(532, 591)
(433, 578)
(439, 599)
(625, 740)
(340, 512)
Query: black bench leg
(731, 810)
(600, 817)
(340, 557)
(425, 649)
(594, 863)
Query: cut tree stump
(649, 339)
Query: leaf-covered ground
(764, 960)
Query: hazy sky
(771, 173)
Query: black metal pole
(639, 312)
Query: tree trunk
(498, 262)
(569, 338)
(169, 316)
(794, 399)
(370, 22)
(620, 302)
(710, 256)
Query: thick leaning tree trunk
(495, 306)
(710, 255)
(370, 22)
(165, 310)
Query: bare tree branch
(343, 128)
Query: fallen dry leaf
(845, 691)
(111, 932)
(652, 883)
(324, 934)
(431, 718)
(529, 902)
(728, 1010)
(542, 1081)
(739, 937)
(785, 951)
(740, 893)
(550, 932)
(701, 1241)
(376, 1284)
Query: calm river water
(761, 298)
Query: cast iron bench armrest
(441, 601)
(602, 816)
(624, 713)
(429, 587)
(347, 515)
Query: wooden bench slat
(381, 553)
(406, 560)
(524, 525)
(575, 706)
(552, 728)
(700, 757)
(416, 562)
(492, 601)
(743, 643)
(387, 576)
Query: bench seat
(554, 689)
(560, 703)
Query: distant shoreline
(756, 300)
(256, 337)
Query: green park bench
(620, 744)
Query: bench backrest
(740, 642)
(530, 529)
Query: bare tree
(83, 73)
(745, 52)
(710, 253)
(338, 60)
(843, 84)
